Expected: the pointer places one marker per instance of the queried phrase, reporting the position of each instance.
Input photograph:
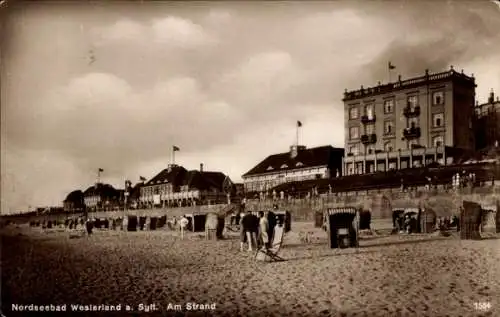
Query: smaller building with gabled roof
(74, 202)
(176, 186)
(298, 164)
(103, 197)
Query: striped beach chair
(342, 225)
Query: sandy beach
(417, 275)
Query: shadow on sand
(406, 242)
(352, 252)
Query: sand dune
(420, 275)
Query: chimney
(294, 150)
(201, 167)
(492, 97)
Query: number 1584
(482, 306)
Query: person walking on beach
(249, 227)
(263, 229)
(183, 224)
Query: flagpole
(389, 68)
(173, 156)
(297, 136)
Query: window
(438, 98)
(369, 111)
(389, 106)
(270, 168)
(412, 101)
(353, 133)
(413, 143)
(388, 127)
(284, 166)
(370, 149)
(438, 141)
(438, 120)
(413, 123)
(370, 129)
(388, 147)
(353, 113)
(354, 149)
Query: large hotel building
(409, 123)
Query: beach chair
(271, 254)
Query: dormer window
(299, 164)
(284, 166)
(270, 168)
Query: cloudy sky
(114, 86)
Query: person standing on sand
(89, 225)
(242, 215)
(183, 224)
(263, 229)
(248, 228)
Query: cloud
(122, 30)
(170, 31)
(219, 17)
(180, 32)
(226, 83)
(99, 120)
(436, 41)
(19, 169)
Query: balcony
(369, 138)
(412, 133)
(368, 119)
(411, 112)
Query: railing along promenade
(303, 208)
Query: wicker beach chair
(271, 254)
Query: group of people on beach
(256, 231)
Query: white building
(297, 165)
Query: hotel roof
(407, 84)
(318, 156)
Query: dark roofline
(333, 149)
(208, 175)
(406, 84)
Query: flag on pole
(391, 66)
(101, 170)
(299, 124)
(175, 148)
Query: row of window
(437, 141)
(266, 185)
(411, 101)
(437, 122)
(357, 168)
(287, 174)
